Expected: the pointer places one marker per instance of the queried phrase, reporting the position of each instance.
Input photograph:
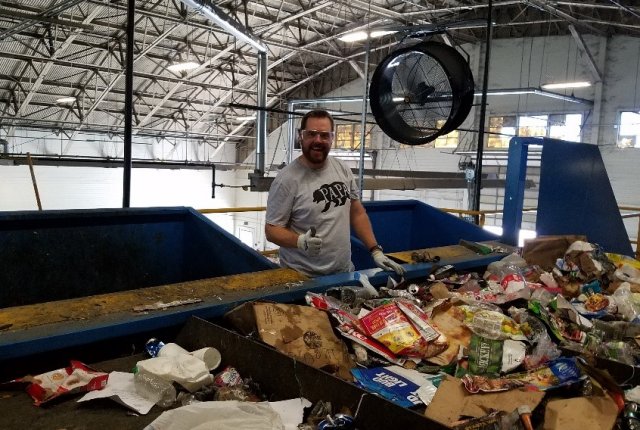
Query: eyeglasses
(325, 136)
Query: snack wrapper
(77, 377)
(561, 329)
(475, 384)
(354, 335)
(228, 377)
(557, 373)
(485, 356)
(419, 319)
(389, 326)
(333, 306)
(492, 324)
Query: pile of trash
(521, 346)
(192, 387)
(545, 339)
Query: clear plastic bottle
(155, 389)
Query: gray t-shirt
(301, 197)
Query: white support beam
(585, 53)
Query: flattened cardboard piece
(452, 402)
(580, 413)
(304, 333)
(545, 250)
(448, 320)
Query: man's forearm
(362, 227)
(281, 236)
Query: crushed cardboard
(453, 403)
(545, 250)
(579, 413)
(448, 320)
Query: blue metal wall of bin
(403, 225)
(56, 255)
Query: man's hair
(318, 113)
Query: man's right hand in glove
(309, 243)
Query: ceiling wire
(628, 9)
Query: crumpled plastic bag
(228, 415)
(628, 273)
(188, 371)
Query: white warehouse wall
(93, 187)
(97, 187)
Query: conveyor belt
(92, 307)
(37, 328)
(450, 254)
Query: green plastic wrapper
(485, 356)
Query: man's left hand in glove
(385, 263)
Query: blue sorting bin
(403, 225)
(56, 255)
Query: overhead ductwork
(208, 9)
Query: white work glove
(385, 263)
(309, 243)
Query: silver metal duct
(231, 26)
(261, 135)
(227, 23)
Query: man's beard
(315, 157)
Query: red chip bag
(389, 325)
(78, 377)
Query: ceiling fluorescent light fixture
(380, 33)
(65, 100)
(534, 91)
(183, 67)
(358, 36)
(245, 118)
(507, 92)
(566, 85)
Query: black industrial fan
(421, 92)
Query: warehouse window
(566, 127)
(348, 136)
(557, 126)
(502, 128)
(532, 126)
(629, 130)
(449, 140)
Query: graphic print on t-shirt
(336, 193)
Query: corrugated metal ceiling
(77, 48)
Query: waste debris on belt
(519, 346)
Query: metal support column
(514, 190)
(128, 104)
(483, 112)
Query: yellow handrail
(481, 216)
(225, 210)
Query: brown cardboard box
(545, 250)
(301, 332)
